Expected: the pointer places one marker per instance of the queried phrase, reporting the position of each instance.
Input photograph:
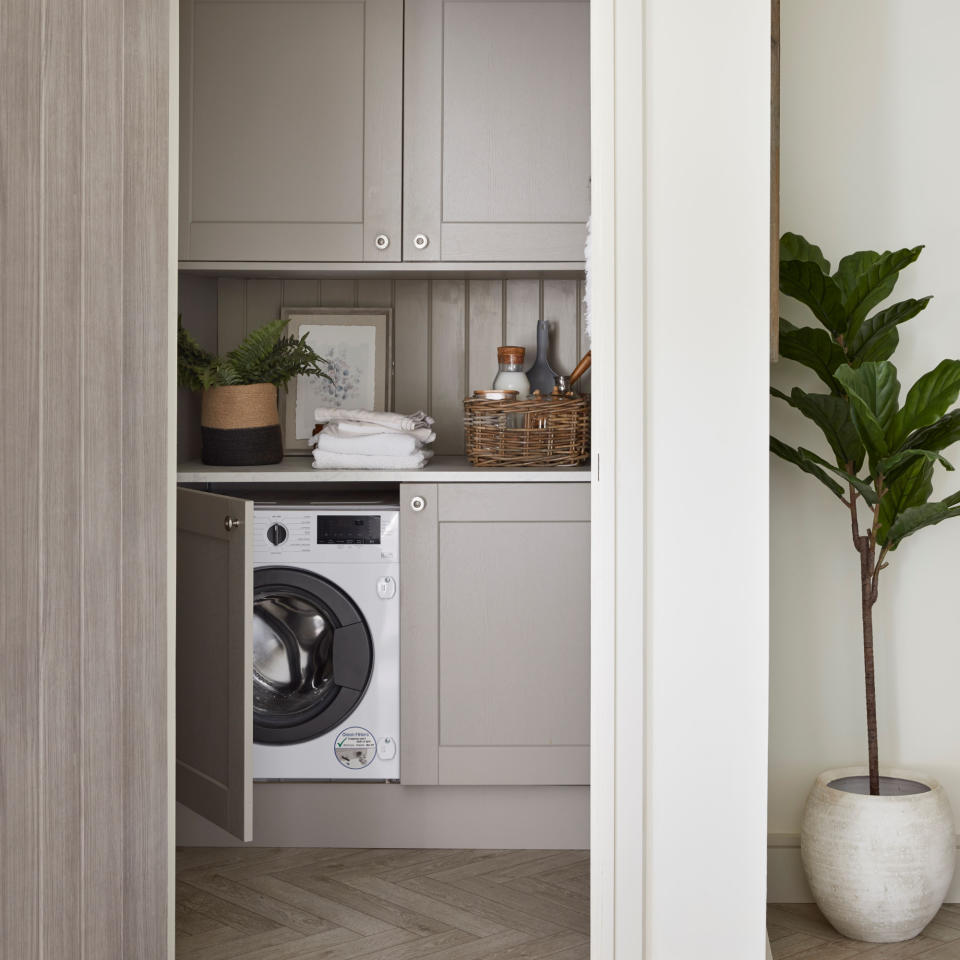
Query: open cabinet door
(214, 654)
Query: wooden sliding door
(84, 334)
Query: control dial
(276, 533)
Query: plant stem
(865, 546)
(866, 603)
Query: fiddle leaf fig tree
(884, 451)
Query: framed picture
(357, 343)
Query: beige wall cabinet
(290, 121)
(495, 633)
(310, 130)
(496, 131)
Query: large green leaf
(874, 336)
(911, 489)
(805, 281)
(795, 247)
(832, 415)
(861, 486)
(873, 285)
(896, 464)
(938, 436)
(927, 400)
(815, 349)
(851, 267)
(874, 393)
(788, 453)
(924, 515)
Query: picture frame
(358, 343)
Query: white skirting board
(390, 815)
(786, 882)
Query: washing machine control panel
(311, 534)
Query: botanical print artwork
(344, 388)
(351, 352)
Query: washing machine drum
(312, 655)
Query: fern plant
(264, 356)
(883, 452)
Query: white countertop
(439, 470)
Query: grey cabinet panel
(473, 502)
(489, 697)
(291, 129)
(214, 654)
(419, 637)
(516, 766)
(514, 634)
(496, 129)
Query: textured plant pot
(879, 867)
(240, 426)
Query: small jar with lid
(511, 375)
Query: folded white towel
(392, 421)
(354, 428)
(377, 445)
(324, 460)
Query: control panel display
(348, 529)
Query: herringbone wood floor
(319, 904)
(799, 931)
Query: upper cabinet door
(496, 129)
(291, 138)
(214, 658)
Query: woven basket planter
(240, 426)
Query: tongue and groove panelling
(445, 331)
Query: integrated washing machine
(326, 641)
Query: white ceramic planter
(879, 867)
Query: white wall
(681, 218)
(870, 157)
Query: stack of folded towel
(371, 440)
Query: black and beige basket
(240, 425)
(551, 431)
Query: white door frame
(680, 306)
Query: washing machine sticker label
(355, 748)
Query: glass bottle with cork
(510, 375)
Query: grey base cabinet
(495, 633)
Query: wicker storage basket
(546, 431)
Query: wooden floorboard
(798, 931)
(325, 904)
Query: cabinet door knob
(381, 241)
(421, 241)
(417, 504)
(231, 523)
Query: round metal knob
(417, 504)
(381, 241)
(420, 241)
(230, 523)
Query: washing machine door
(312, 655)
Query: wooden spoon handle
(581, 368)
